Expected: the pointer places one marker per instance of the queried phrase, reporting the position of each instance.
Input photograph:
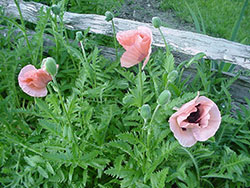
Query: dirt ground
(145, 10)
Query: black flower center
(194, 116)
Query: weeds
(91, 133)
(216, 18)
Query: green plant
(91, 133)
(215, 17)
(86, 6)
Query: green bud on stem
(56, 9)
(49, 64)
(79, 36)
(145, 111)
(156, 21)
(164, 97)
(172, 76)
(109, 16)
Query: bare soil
(145, 10)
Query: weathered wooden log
(183, 41)
(239, 89)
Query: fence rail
(182, 41)
(240, 54)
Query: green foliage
(100, 139)
(86, 6)
(219, 18)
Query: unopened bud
(56, 9)
(49, 64)
(109, 16)
(128, 99)
(164, 97)
(79, 36)
(145, 112)
(172, 76)
(156, 21)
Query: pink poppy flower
(197, 120)
(34, 81)
(137, 44)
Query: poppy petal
(127, 38)
(129, 59)
(184, 136)
(33, 81)
(204, 133)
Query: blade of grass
(194, 17)
(236, 28)
(24, 30)
(237, 24)
(201, 19)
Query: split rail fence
(182, 42)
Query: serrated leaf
(141, 185)
(231, 120)
(50, 168)
(123, 146)
(42, 172)
(215, 175)
(84, 177)
(71, 171)
(30, 162)
(130, 138)
(45, 107)
(51, 127)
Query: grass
(219, 16)
(86, 6)
(98, 139)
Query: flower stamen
(194, 116)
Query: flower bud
(56, 9)
(172, 76)
(156, 21)
(128, 99)
(49, 64)
(145, 111)
(79, 36)
(109, 16)
(164, 97)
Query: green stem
(14, 86)
(83, 52)
(144, 124)
(55, 30)
(114, 36)
(65, 111)
(195, 164)
(87, 67)
(24, 30)
(221, 134)
(155, 111)
(140, 85)
(150, 126)
(165, 42)
(61, 100)
(32, 150)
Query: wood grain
(239, 89)
(182, 41)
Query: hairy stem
(65, 111)
(149, 136)
(140, 85)
(165, 42)
(114, 36)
